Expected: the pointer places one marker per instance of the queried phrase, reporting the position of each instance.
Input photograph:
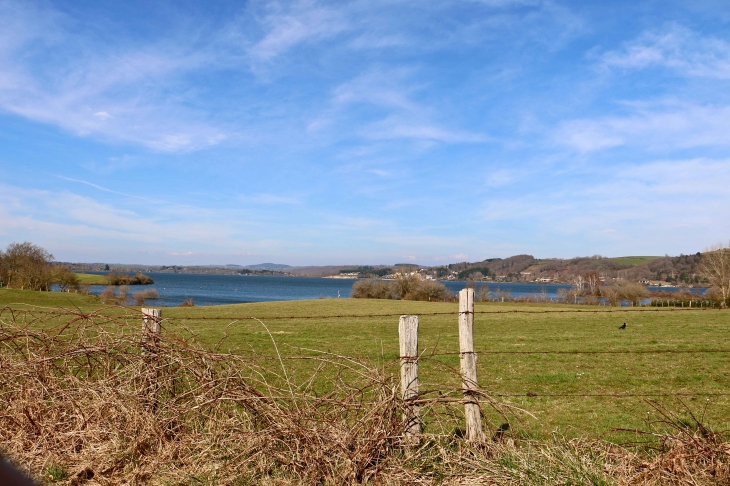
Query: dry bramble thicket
(82, 401)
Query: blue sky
(363, 132)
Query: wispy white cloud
(381, 172)
(138, 92)
(665, 126)
(289, 25)
(395, 127)
(104, 189)
(274, 199)
(635, 206)
(676, 48)
(394, 95)
(503, 177)
(98, 89)
(389, 88)
(63, 214)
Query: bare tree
(622, 290)
(632, 292)
(715, 267)
(593, 281)
(502, 295)
(26, 266)
(612, 294)
(578, 282)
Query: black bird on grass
(623, 326)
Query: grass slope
(91, 279)
(633, 260)
(297, 331)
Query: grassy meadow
(633, 260)
(91, 279)
(504, 334)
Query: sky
(363, 132)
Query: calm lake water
(174, 288)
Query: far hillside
(682, 269)
(633, 260)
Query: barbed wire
(232, 319)
(616, 351)
(136, 313)
(447, 313)
(604, 395)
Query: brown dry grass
(81, 403)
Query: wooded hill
(682, 269)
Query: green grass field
(633, 260)
(91, 279)
(510, 328)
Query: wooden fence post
(468, 361)
(151, 330)
(150, 342)
(408, 337)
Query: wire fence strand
(108, 314)
(132, 312)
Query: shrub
(502, 295)
(65, 279)
(591, 300)
(141, 279)
(107, 295)
(405, 284)
(428, 290)
(124, 293)
(483, 294)
(633, 292)
(141, 297)
(115, 278)
(405, 287)
(371, 289)
(187, 303)
(714, 294)
(611, 294)
(624, 290)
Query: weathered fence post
(468, 360)
(150, 342)
(408, 337)
(151, 330)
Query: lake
(174, 288)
